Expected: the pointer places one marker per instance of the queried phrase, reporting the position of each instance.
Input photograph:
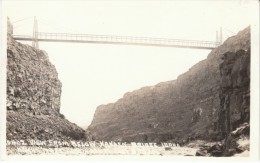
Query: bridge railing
(125, 39)
(41, 36)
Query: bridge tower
(35, 43)
(220, 35)
(219, 38)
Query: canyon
(206, 102)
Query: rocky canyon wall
(33, 96)
(191, 107)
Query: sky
(95, 74)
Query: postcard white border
(254, 114)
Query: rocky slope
(191, 107)
(33, 96)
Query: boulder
(216, 147)
(168, 148)
(201, 153)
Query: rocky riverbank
(236, 144)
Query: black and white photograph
(154, 78)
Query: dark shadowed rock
(216, 147)
(168, 148)
(230, 152)
(217, 153)
(201, 153)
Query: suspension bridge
(112, 39)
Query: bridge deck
(127, 40)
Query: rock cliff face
(192, 107)
(235, 101)
(235, 90)
(33, 96)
